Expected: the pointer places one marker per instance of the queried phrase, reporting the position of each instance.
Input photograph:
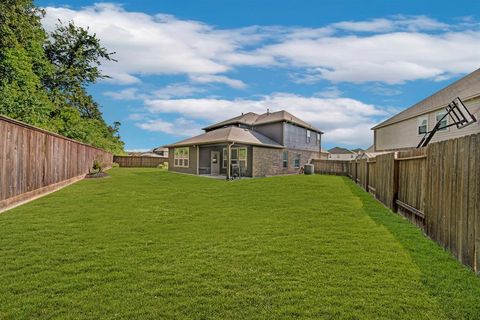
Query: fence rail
(34, 161)
(436, 188)
(139, 161)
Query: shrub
(163, 166)
(97, 166)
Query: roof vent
(268, 111)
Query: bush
(97, 166)
(163, 166)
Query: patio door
(215, 162)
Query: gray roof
(466, 88)
(228, 135)
(253, 119)
(340, 150)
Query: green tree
(76, 57)
(23, 64)
(43, 78)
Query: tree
(43, 80)
(76, 57)
(23, 64)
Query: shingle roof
(228, 135)
(253, 119)
(247, 118)
(340, 150)
(465, 88)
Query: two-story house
(251, 145)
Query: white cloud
(391, 49)
(343, 119)
(177, 90)
(375, 25)
(237, 84)
(178, 127)
(125, 94)
(395, 23)
(329, 92)
(391, 58)
(152, 44)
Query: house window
(225, 158)
(242, 157)
(285, 159)
(308, 136)
(318, 138)
(239, 156)
(444, 123)
(422, 125)
(181, 157)
(296, 161)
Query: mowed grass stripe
(148, 244)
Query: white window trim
(419, 122)
(446, 118)
(308, 136)
(179, 161)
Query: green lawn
(148, 244)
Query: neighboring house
(161, 151)
(406, 129)
(255, 144)
(339, 153)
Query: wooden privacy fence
(437, 188)
(34, 161)
(139, 161)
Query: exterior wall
(205, 154)
(269, 161)
(273, 131)
(192, 168)
(295, 137)
(205, 158)
(404, 134)
(248, 171)
(342, 156)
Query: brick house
(249, 145)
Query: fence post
(395, 182)
(367, 169)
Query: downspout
(229, 163)
(198, 160)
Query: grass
(148, 244)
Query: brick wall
(269, 161)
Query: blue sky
(341, 65)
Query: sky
(341, 65)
